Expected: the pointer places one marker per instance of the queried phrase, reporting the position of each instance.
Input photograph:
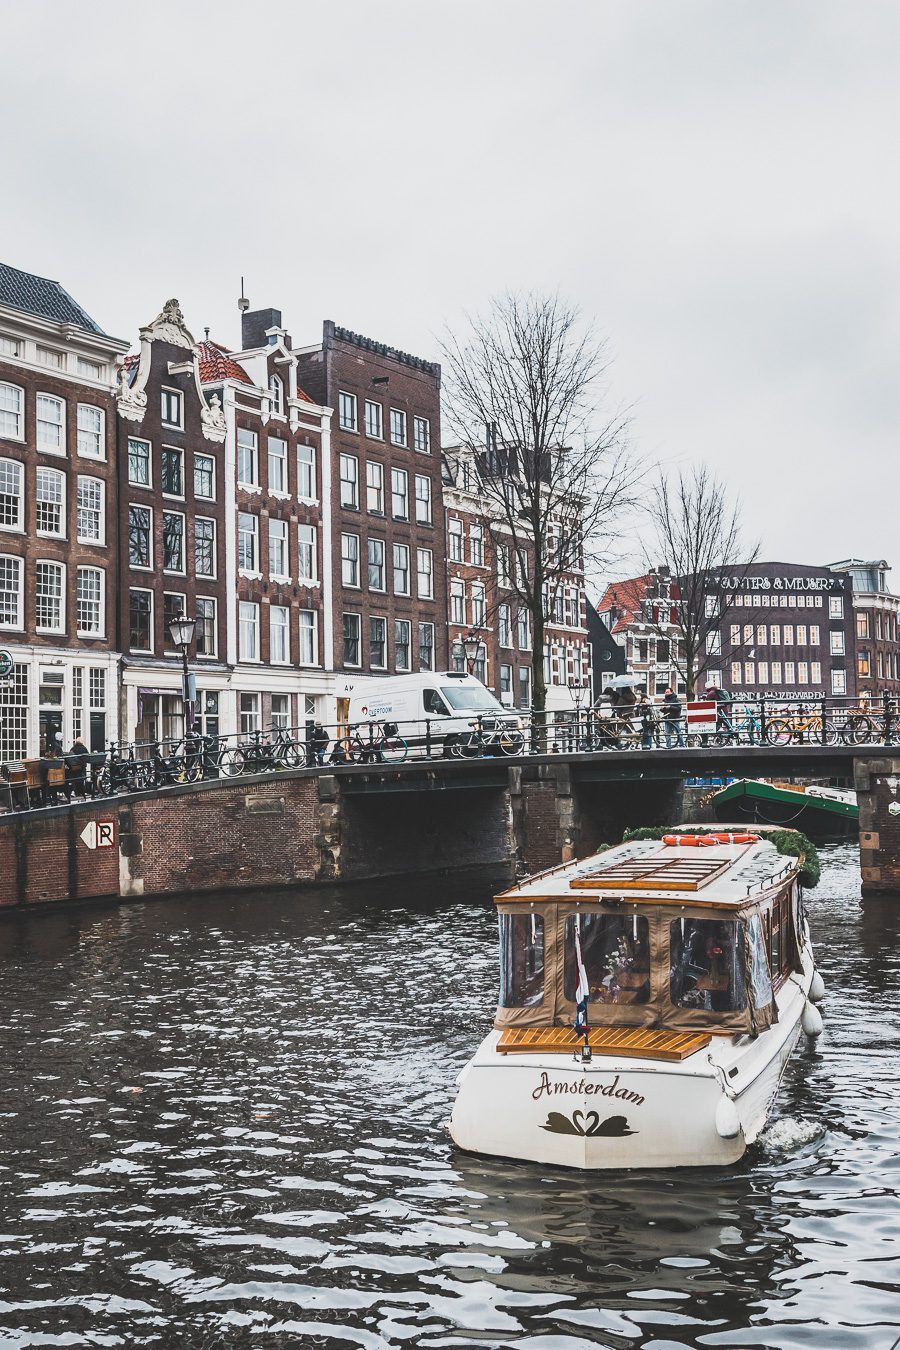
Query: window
(506, 681)
(12, 502)
(455, 539)
(524, 687)
(801, 634)
(373, 420)
(140, 621)
(49, 604)
(376, 565)
(422, 435)
(350, 559)
(377, 643)
(789, 635)
(398, 427)
(425, 573)
(48, 357)
(308, 632)
(401, 644)
(204, 547)
(11, 412)
(248, 542)
(476, 545)
(248, 711)
(172, 471)
(247, 457)
(278, 474)
(815, 672)
(278, 549)
(248, 635)
(839, 682)
(279, 635)
(306, 552)
(276, 389)
(789, 676)
(51, 503)
(615, 953)
(423, 499)
(281, 710)
(351, 639)
(90, 510)
(9, 346)
(205, 632)
(51, 424)
(761, 632)
(749, 672)
(426, 646)
(862, 662)
(503, 629)
(138, 462)
(204, 477)
(140, 525)
(10, 592)
(480, 665)
(736, 675)
(89, 601)
(836, 643)
(713, 644)
(776, 672)
(375, 487)
(862, 623)
(477, 605)
(524, 630)
(748, 634)
(457, 602)
(707, 965)
(835, 607)
(763, 671)
(92, 369)
(306, 472)
(401, 569)
(350, 482)
(90, 424)
(711, 606)
(347, 411)
(171, 408)
(502, 565)
(399, 494)
(173, 541)
(775, 634)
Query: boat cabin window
(521, 960)
(779, 923)
(616, 953)
(707, 965)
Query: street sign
(99, 834)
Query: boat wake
(788, 1134)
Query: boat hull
(822, 820)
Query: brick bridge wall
(878, 795)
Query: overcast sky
(713, 181)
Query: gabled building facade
(58, 520)
(876, 626)
(639, 614)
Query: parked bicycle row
(142, 766)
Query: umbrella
(625, 681)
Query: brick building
(484, 603)
(58, 523)
(388, 573)
(876, 625)
(639, 613)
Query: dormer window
(276, 389)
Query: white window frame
(139, 440)
(248, 622)
(458, 602)
(422, 435)
(373, 544)
(402, 477)
(311, 628)
(478, 605)
(17, 412)
(310, 544)
(147, 566)
(424, 479)
(373, 664)
(143, 590)
(347, 403)
(244, 449)
(276, 396)
(425, 592)
(206, 576)
(18, 496)
(61, 569)
(211, 460)
(398, 553)
(279, 458)
(837, 643)
(19, 623)
(374, 489)
(398, 625)
(349, 558)
(285, 630)
(354, 665)
(81, 431)
(55, 475)
(201, 620)
(306, 457)
(168, 391)
(424, 628)
(352, 482)
(100, 602)
(164, 452)
(279, 574)
(98, 483)
(398, 419)
(58, 448)
(374, 414)
(839, 683)
(242, 530)
(182, 570)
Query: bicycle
(383, 745)
(801, 724)
(260, 754)
(489, 735)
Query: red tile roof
(625, 597)
(216, 364)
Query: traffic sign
(99, 834)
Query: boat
(825, 815)
(650, 998)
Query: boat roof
(647, 871)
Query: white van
(448, 701)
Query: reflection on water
(222, 1125)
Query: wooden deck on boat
(631, 1042)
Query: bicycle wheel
(827, 733)
(394, 749)
(779, 732)
(511, 742)
(290, 756)
(232, 761)
(857, 729)
(347, 750)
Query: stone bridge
(359, 822)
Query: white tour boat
(690, 961)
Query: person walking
(672, 721)
(648, 721)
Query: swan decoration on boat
(663, 985)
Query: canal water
(221, 1124)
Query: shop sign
(99, 834)
(6, 664)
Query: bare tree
(523, 391)
(697, 534)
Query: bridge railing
(171, 760)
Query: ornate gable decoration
(169, 326)
(213, 419)
(131, 396)
(130, 401)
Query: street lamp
(181, 631)
(471, 646)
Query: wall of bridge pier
(374, 822)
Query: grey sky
(714, 180)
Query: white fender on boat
(816, 988)
(812, 1020)
(728, 1122)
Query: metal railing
(147, 765)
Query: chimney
(254, 324)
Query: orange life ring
(708, 840)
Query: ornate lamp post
(471, 646)
(182, 634)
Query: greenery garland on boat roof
(791, 843)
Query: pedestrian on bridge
(672, 720)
